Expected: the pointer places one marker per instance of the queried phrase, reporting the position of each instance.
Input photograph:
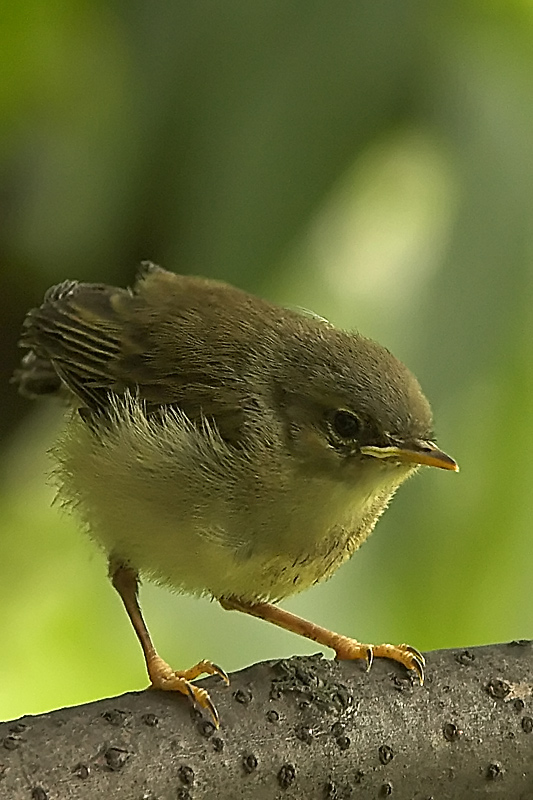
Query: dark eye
(345, 424)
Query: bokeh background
(370, 161)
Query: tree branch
(298, 728)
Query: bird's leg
(162, 676)
(345, 648)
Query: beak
(421, 452)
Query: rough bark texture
(298, 728)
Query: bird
(222, 446)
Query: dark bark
(299, 728)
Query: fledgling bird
(223, 446)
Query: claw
(416, 662)
(223, 674)
(369, 658)
(202, 698)
(418, 667)
(214, 712)
(417, 654)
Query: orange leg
(345, 648)
(162, 676)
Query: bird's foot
(347, 649)
(163, 677)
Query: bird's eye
(345, 424)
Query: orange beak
(421, 452)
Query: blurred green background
(371, 161)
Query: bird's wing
(166, 340)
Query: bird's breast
(182, 509)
